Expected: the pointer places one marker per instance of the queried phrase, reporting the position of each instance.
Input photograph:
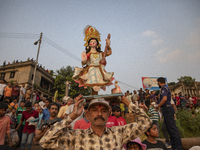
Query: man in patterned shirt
(98, 136)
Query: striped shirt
(153, 112)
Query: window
(32, 77)
(2, 75)
(12, 74)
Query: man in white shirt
(70, 110)
(2, 86)
(42, 103)
(22, 94)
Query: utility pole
(67, 88)
(40, 40)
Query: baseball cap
(99, 101)
(65, 99)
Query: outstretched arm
(54, 137)
(131, 131)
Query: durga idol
(93, 73)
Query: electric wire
(58, 47)
(127, 84)
(50, 42)
(19, 35)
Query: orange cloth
(4, 128)
(8, 92)
(14, 105)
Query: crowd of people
(35, 119)
(28, 59)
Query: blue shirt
(164, 91)
(46, 114)
(182, 100)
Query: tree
(171, 83)
(63, 75)
(187, 80)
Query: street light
(40, 40)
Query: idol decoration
(93, 73)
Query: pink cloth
(4, 128)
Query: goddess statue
(93, 73)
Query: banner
(151, 83)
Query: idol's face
(93, 43)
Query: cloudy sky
(148, 38)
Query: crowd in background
(32, 60)
(24, 111)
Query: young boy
(19, 116)
(117, 113)
(154, 116)
(151, 142)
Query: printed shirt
(121, 121)
(112, 138)
(25, 116)
(153, 112)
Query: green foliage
(189, 123)
(187, 80)
(171, 83)
(52, 72)
(11, 81)
(63, 75)
(180, 129)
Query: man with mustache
(53, 109)
(98, 136)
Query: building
(180, 87)
(22, 72)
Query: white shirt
(42, 104)
(69, 111)
(23, 91)
(2, 86)
(129, 98)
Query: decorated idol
(93, 73)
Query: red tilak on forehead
(99, 105)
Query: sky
(148, 38)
